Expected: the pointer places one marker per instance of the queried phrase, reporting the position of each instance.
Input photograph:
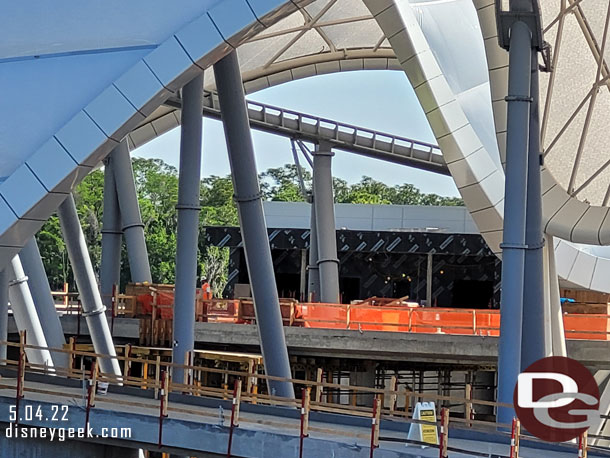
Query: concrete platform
(197, 426)
(389, 346)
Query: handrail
(156, 384)
(79, 373)
(349, 137)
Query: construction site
(149, 311)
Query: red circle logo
(556, 399)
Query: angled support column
(513, 245)
(3, 312)
(548, 331)
(110, 269)
(313, 290)
(325, 224)
(252, 219)
(532, 338)
(558, 337)
(188, 222)
(93, 309)
(24, 312)
(43, 300)
(133, 229)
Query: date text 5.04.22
(56, 413)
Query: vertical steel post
(303, 277)
(3, 312)
(188, 222)
(429, 267)
(532, 339)
(313, 290)
(253, 226)
(305, 405)
(325, 224)
(93, 309)
(133, 229)
(110, 269)
(25, 314)
(43, 301)
(375, 419)
(513, 245)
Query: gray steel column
(429, 266)
(513, 245)
(325, 224)
(252, 219)
(43, 300)
(133, 229)
(303, 277)
(93, 309)
(532, 338)
(110, 269)
(313, 291)
(188, 222)
(3, 312)
(26, 317)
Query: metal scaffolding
(252, 220)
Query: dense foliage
(157, 185)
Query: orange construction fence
(435, 320)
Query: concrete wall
(12, 447)
(364, 217)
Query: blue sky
(380, 100)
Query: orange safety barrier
(586, 326)
(163, 301)
(368, 317)
(434, 320)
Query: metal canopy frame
(343, 136)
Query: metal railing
(316, 395)
(347, 137)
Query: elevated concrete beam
(391, 346)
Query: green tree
(217, 205)
(283, 183)
(157, 188)
(215, 266)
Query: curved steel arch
(51, 171)
(36, 188)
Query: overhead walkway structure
(306, 127)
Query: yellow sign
(428, 432)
